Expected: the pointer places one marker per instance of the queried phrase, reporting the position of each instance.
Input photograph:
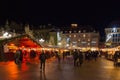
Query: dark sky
(96, 13)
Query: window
(69, 35)
(118, 39)
(93, 42)
(118, 30)
(74, 31)
(88, 44)
(70, 31)
(83, 42)
(113, 40)
(114, 30)
(84, 35)
(74, 35)
(88, 39)
(113, 35)
(116, 35)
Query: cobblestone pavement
(101, 69)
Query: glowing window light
(88, 39)
(67, 45)
(114, 29)
(9, 35)
(5, 34)
(59, 43)
(74, 35)
(84, 35)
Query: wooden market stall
(9, 46)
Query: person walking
(18, 56)
(42, 58)
(80, 56)
(75, 57)
(58, 56)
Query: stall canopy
(22, 40)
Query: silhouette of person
(42, 58)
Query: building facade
(83, 38)
(112, 35)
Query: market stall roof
(22, 40)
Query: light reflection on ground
(100, 70)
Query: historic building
(83, 37)
(75, 36)
(113, 34)
(50, 35)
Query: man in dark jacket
(80, 56)
(42, 58)
(75, 57)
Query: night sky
(35, 12)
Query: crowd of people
(77, 56)
(116, 58)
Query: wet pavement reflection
(93, 70)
